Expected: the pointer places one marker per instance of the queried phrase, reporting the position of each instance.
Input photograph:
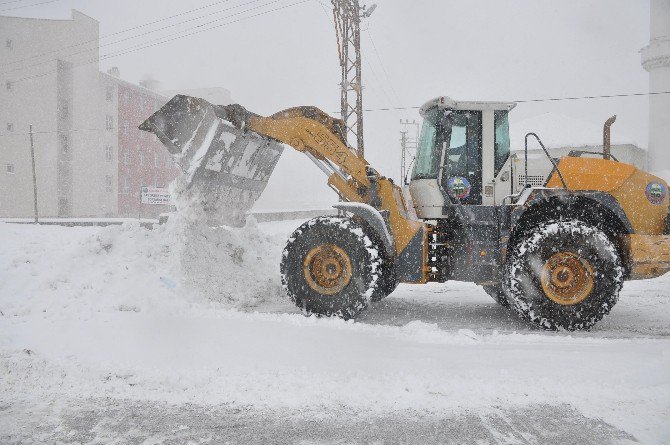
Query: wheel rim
(567, 278)
(327, 269)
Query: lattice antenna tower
(347, 15)
(409, 141)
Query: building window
(10, 126)
(109, 94)
(141, 158)
(126, 157)
(64, 143)
(109, 153)
(126, 126)
(63, 207)
(126, 96)
(108, 183)
(10, 168)
(9, 44)
(109, 122)
(157, 160)
(64, 109)
(126, 186)
(9, 85)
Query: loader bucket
(224, 168)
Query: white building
(562, 134)
(656, 60)
(50, 78)
(48, 81)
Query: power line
(605, 96)
(119, 32)
(11, 1)
(152, 31)
(71, 130)
(381, 63)
(28, 6)
(385, 95)
(178, 36)
(550, 99)
(402, 108)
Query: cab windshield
(460, 131)
(427, 161)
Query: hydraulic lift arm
(321, 137)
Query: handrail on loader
(553, 162)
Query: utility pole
(403, 156)
(408, 144)
(347, 16)
(32, 155)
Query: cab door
(461, 175)
(500, 181)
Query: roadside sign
(156, 196)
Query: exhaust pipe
(606, 138)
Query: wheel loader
(555, 251)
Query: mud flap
(224, 168)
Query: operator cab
(463, 156)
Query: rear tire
(563, 275)
(331, 267)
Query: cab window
(501, 140)
(427, 161)
(462, 131)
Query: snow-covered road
(100, 339)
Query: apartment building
(91, 160)
(53, 94)
(142, 159)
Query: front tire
(563, 275)
(388, 280)
(497, 294)
(331, 267)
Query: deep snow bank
(85, 313)
(235, 266)
(130, 268)
(239, 267)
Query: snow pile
(235, 266)
(88, 312)
(86, 270)
(131, 268)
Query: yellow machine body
(648, 243)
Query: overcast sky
(469, 50)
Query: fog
(480, 50)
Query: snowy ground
(105, 337)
